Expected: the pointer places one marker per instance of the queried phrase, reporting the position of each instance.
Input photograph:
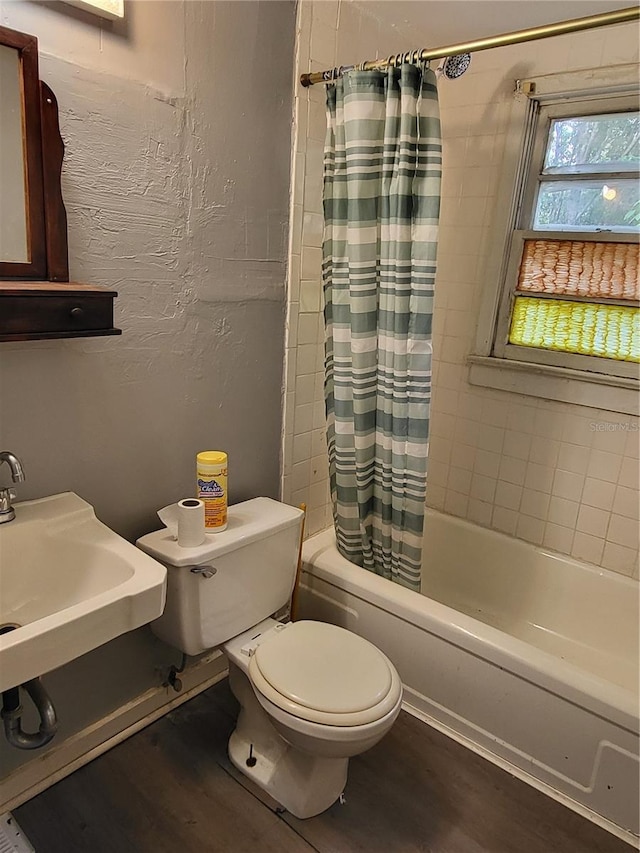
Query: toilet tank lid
(246, 522)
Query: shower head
(455, 66)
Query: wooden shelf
(40, 310)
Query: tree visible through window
(577, 148)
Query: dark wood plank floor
(172, 788)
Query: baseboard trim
(416, 711)
(109, 731)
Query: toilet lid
(324, 668)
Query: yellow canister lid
(212, 457)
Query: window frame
(545, 114)
(496, 363)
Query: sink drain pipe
(12, 716)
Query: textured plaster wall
(176, 179)
(177, 197)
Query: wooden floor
(172, 788)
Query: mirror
(33, 236)
(13, 201)
(38, 301)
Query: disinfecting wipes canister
(211, 481)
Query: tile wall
(561, 476)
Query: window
(567, 298)
(572, 289)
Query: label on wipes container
(212, 491)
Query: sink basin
(68, 584)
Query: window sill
(611, 393)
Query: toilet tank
(254, 566)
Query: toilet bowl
(311, 695)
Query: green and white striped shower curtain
(382, 171)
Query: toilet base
(303, 784)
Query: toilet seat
(324, 674)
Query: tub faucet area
(7, 512)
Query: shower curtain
(382, 172)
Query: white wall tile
(598, 493)
(504, 520)
(318, 442)
(563, 512)
(539, 477)
(592, 520)
(617, 558)
(516, 444)
(311, 259)
(487, 463)
(479, 512)
(483, 488)
(463, 455)
(306, 359)
(512, 470)
(319, 468)
(607, 436)
(436, 496)
(456, 503)
(300, 475)
(535, 504)
(623, 531)
(530, 529)
(587, 547)
(573, 457)
(438, 473)
(604, 466)
(508, 495)
(558, 538)
(307, 329)
(304, 389)
(301, 447)
(303, 419)
(632, 445)
(544, 451)
(629, 473)
(459, 480)
(568, 485)
(626, 502)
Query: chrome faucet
(7, 512)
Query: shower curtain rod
(605, 19)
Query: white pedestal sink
(69, 584)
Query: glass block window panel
(612, 204)
(585, 328)
(578, 268)
(597, 143)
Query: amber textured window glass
(578, 268)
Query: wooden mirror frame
(43, 152)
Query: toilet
(311, 694)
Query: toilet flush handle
(205, 571)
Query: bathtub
(526, 656)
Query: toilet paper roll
(191, 531)
(168, 515)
